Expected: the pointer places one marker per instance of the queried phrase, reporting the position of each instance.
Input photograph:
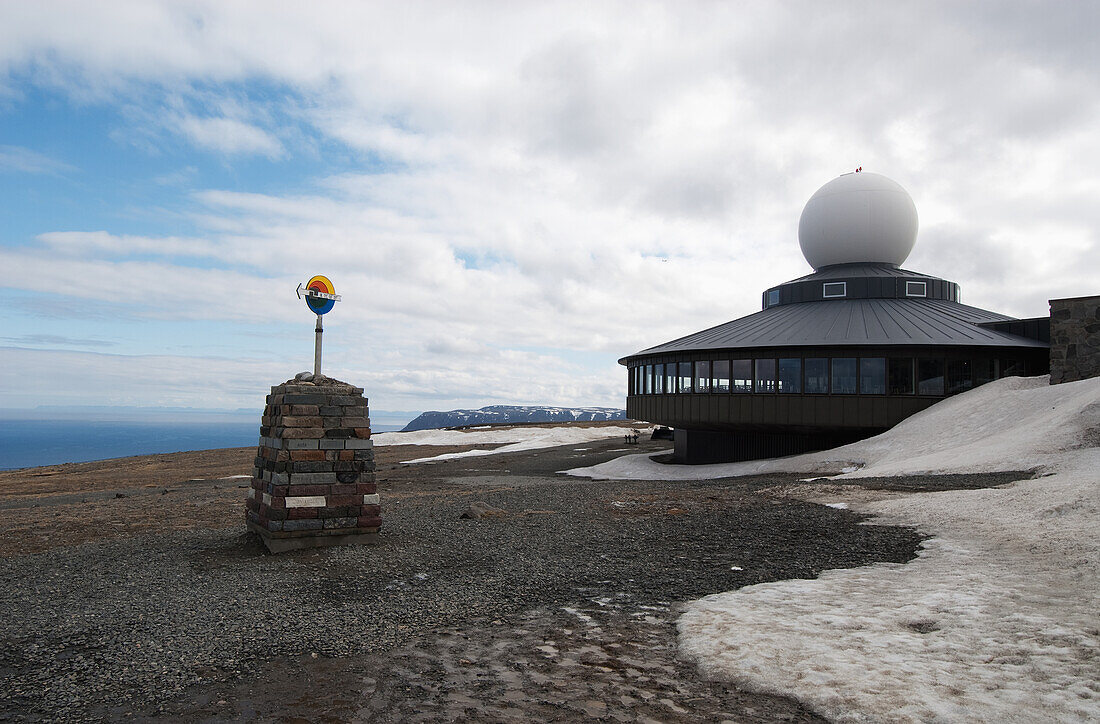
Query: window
(658, 379)
(984, 371)
(930, 377)
(960, 376)
(702, 376)
(844, 376)
(684, 383)
(670, 378)
(790, 375)
(817, 376)
(638, 379)
(742, 375)
(872, 376)
(832, 290)
(1012, 368)
(720, 375)
(901, 376)
(916, 289)
(773, 297)
(765, 375)
(649, 379)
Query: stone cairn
(313, 481)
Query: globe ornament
(858, 218)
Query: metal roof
(848, 271)
(846, 322)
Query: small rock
(304, 377)
(480, 509)
(594, 708)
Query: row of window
(820, 376)
(839, 290)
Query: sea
(31, 443)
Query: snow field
(518, 439)
(996, 620)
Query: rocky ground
(130, 591)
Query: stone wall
(313, 481)
(1074, 339)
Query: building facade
(835, 356)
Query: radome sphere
(858, 218)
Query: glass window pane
(1011, 368)
(658, 379)
(960, 376)
(901, 376)
(773, 297)
(685, 377)
(984, 371)
(720, 373)
(765, 375)
(702, 376)
(670, 378)
(930, 377)
(817, 376)
(649, 379)
(872, 376)
(790, 375)
(742, 375)
(844, 376)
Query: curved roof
(848, 271)
(847, 322)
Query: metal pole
(317, 350)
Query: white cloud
(93, 243)
(33, 377)
(228, 135)
(595, 178)
(17, 158)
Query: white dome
(858, 217)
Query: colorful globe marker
(320, 297)
(320, 304)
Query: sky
(509, 197)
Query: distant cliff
(510, 414)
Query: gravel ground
(445, 618)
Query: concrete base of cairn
(313, 481)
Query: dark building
(838, 355)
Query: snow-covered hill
(996, 620)
(512, 414)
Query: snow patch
(518, 439)
(996, 620)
